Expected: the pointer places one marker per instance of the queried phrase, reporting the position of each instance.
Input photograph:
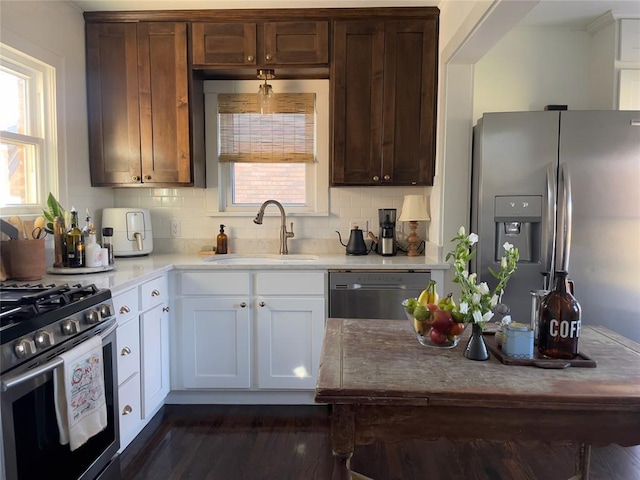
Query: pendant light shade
(266, 97)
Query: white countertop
(132, 270)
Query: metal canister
(536, 299)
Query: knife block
(23, 260)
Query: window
(293, 170)
(28, 159)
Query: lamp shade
(413, 209)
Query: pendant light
(266, 97)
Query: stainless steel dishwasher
(373, 293)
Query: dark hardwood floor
(238, 442)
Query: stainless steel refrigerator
(564, 187)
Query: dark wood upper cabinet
(139, 114)
(384, 86)
(260, 44)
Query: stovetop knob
(93, 316)
(106, 310)
(44, 338)
(70, 326)
(25, 347)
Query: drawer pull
(124, 309)
(125, 351)
(243, 305)
(165, 309)
(155, 293)
(261, 304)
(127, 410)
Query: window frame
(219, 191)
(42, 135)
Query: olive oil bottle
(75, 242)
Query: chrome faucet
(284, 250)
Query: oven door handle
(47, 367)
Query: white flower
(465, 274)
(494, 301)
(507, 247)
(473, 238)
(464, 308)
(475, 299)
(472, 278)
(477, 316)
(503, 262)
(461, 231)
(487, 316)
(483, 288)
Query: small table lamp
(413, 209)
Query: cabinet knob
(124, 309)
(147, 177)
(376, 178)
(243, 304)
(125, 351)
(261, 304)
(155, 293)
(165, 309)
(127, 410)
(268, 56)
(250, 58)
(387, 177)
(135, 178)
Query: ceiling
(574, 14)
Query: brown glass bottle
(75, 243)
(560, 321)
(221, 241)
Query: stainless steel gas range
(37, 324)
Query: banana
(429, 294)
(447, 303)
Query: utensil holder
(23, 260)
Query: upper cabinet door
(224, 43)
(291, 43)
(357, 88)
(164, 102)
(410, 89)
(114, 120)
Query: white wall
(531, 68)
(53, 32)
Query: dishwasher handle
(369, 286)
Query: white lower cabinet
(143, 354)
(249, 331)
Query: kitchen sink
(261, 259)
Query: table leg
(582, 462)
(342, 440)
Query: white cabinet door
(216, 343)
(129, 410)
(154, 336)
(289, 332)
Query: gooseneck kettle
(355, 245)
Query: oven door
(30, 434)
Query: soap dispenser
(221, 244)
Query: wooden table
(383, 385)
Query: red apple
(442, 321)
(437, 337)
(432, 307)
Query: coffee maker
(387, 240)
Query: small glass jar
(107, 242)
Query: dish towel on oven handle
(81, 409)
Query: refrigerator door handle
(549, 226)
(566, 214)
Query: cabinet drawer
(290, 283)
(128, 341)
(129, 411)
(207, 283)
(126, 304)
(154, 292)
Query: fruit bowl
(438, 329)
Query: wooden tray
(581, 360)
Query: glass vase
(476, 347)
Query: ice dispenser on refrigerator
(518, 220)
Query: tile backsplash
(198, 229)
